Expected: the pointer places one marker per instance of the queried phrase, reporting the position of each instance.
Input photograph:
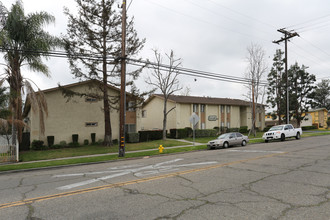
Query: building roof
(203, 100)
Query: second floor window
(195, 108)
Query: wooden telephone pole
(287, 36)
(123, 85)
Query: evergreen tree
(321, 95)
(301, 88)
(275, 90)
(95, 34)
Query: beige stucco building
(79, 115)
(213, 112)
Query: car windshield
(276, 128)
(224, 136)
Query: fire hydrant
(161, 148)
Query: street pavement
(277, 180)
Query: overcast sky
(211, 35)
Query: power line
(206, 22)
(219, 14)
(195, 73)
(141, 63)
(307, 22)
(244, 15)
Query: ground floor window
(91, 124)
(130, 128)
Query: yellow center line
(92, 189)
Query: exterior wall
(67, 118)
(154, 115)
(183, 115)
(235, 117)
(212, 110)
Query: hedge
(132, 137)
(180, 133)
(304, 128)
(243, 129)
(150, 135)
(38, 145)
(233, 130)
(205, 133)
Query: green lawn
(40, 164)
(93, 149)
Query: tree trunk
(107, 121)
(165, 119)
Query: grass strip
(42, 164)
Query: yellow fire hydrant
(161, 148)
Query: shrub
(267, 128)
(38, 145)
(99, 141)
(93, 136)
(56, 146)
(308, 127)
(63, 144)
(173, 133)
(75, 138)
(74, 144)
(189, 131)
(132, 137)
(150, 135)
(243, 129)
(205, 133)
(50, 140)
(86, 142)
(233, 130)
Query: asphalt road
(278, 180)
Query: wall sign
(212, 118)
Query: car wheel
(243, 143)
(266, 141)
(298, 136)
(225, 145)
(282, 137)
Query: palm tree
(24, 42)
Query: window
(131, 106)
(239, 135)
(222, 108)
(228, 109)
(91, 124)
(195, 108)
(202, 108)
(90, 99)
(144, 113)
(228, 124)
(130, 128)
(222, 124)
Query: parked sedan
(228, 139)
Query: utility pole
(253, 111)
(123, 84)
(287, 36)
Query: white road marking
(257, 151)
(137, 170)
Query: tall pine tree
(95, 34)
(275, 90)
